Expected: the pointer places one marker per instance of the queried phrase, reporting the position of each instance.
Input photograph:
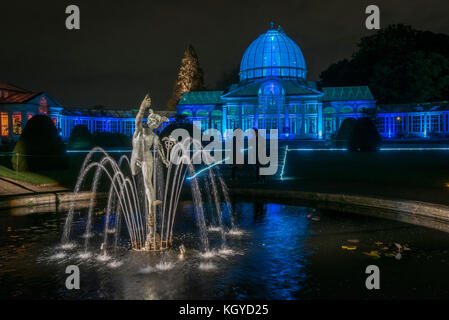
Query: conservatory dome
(273, 54)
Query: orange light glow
(4, 123)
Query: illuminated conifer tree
(190, 77)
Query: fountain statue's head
(154, 120)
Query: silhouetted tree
(344, 132)
(190, 77)
(40, 147)
(80, 138)
(106, 139)
(364, 136)
(181, 121)
(399, 64)
(228, 77)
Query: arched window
(362, 109)
(271, 88)
(202, 113)
(329, 110)
(271, 103)
(271, 97)
(217, 113)
(346, 110)
(187, 113)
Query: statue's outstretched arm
(146, 104)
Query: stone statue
(145, 143)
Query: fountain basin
(280, 252)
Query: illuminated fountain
(148, 210)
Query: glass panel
(17, 123)
(202, 114)
(4, 123)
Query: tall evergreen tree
(190, 77)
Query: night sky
(126, 48)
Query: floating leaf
(373, 254)
(353, 241)
(349, 247)
(385, 248)
(378, 243)
(406, 248)
(389, 254)
(316, 219)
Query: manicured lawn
(29, 177)
(66, 177)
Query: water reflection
(276, 255)
(276, 252)
(263, 258)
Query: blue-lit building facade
(274, 93)
(18, 105)
(414, 120)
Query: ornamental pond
(274, 251)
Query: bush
(40, 147)
(180, 122)
(344, 132)
(80, 138)
(111, 140)
(365, 136)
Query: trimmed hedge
(344, 132)
(365, 136)
(40, 147)
(80, 138)
(180, 122)
(111, 140)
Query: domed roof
(273, 54)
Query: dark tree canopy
(399, 64)
(40, 147)
(190, 77)
(228, 77)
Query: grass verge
(29, 177)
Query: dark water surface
(278, 252)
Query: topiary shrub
(344, 132)
(80, 138)
(111, 140)
(39, 147)
(365, 136)
(180, 122)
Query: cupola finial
(271, 25)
